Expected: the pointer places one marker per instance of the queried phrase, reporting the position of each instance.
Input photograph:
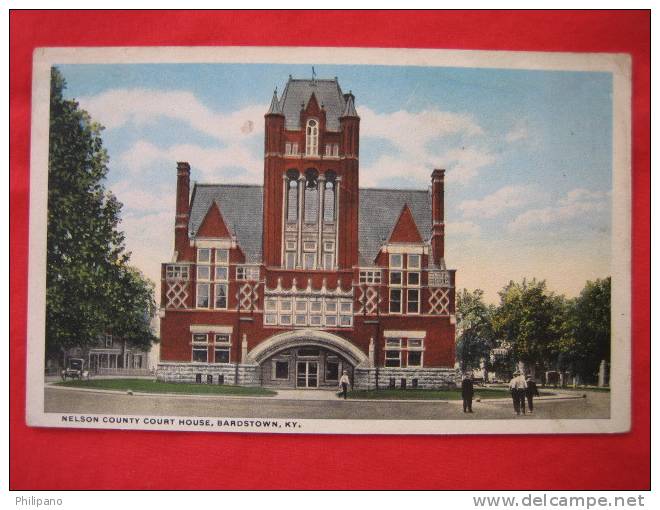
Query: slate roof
(328, 93)
(241, 207)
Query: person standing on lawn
(344, 383)
(518, 386)
(531, 391)
(467, 392)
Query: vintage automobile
(75, 369)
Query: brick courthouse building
(290, 283)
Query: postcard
(330, 240)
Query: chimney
(182, 208)
(438, 215)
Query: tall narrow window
(292, 213)
(311, 196)
(329, 201)
(312, 146)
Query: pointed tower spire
(275, 107)
(349, 109)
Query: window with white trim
(328, 261)
(222, 256)
(396, 278)
(177, 272)
(412, 301)
(292, 199)
(200, 350)
(203, 273)
(395, 300)
(290, 260)
(370, 276)
(221, 348)
(309, 260)
(220, 301)
(414, 261)
(393, 359)
(203, 295)
(250, 273)
(221, 273)
(413, 278)
(414, 358)
(312, 138)
(203, 255)
(396, 260)
(281, 370)
(287, 149)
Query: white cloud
(519, 132)
(577, 203)
(115, 108)
(462, 229)
(208, 163)
(508, 197)
(412, 134)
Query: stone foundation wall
(248, 375)
(424, 378)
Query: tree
(90, 289)
(530, 319)
(475, 337)
(587, 332)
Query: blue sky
(527, 153)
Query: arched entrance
(306, 359)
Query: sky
(527, 154)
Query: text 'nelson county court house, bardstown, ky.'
(291, 283)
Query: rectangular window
(335, 150)
(177, 272)
(270, 319)
(331, 320)
(309, 246)
(414, 261)
(222, 339)
(346, 307)
(203, 255)
(221, 273)
(345, 320)
(396, 260)
(396, 277)
(285, 305)
(287, 149)
(291, 260)
(281, 370)
(370, 276)
(108, 340)
(291, 245)
(332, 370)
(329, 246)
(250, 273)
(328, 150)
(413, 301)
(330, 306)
(309, 260)
(199, 348)
(221, 256)
(221, 296)
(301, 306)
(315, 306)
(271, 305)
(393, 342)
(415, 358)
(395, 300)
(221, 354)
(415, 343)
(285, 320)
(301, 320)
(204, 272)
(328, 260)
(413, 278)
(315, 320)
(294, 148)
(202, 295)
(393, 359)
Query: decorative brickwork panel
(439, 301)
(177, 293)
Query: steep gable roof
(296, 96)
(405, 229)
(213, 224)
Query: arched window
(312, 145)
(292, 195)
(329, 198)
(311, 196)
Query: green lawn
(150, 386)
(427, 394)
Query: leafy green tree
(90, 289)
(475, 336)
(530, 319)
(587, 331)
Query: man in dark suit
(531, 391)
(467, 392)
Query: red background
(166, 460)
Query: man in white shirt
(518, 387)
(343, 383)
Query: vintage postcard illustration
(330, 240)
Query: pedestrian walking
(344, 383)
(467, 392)
(531, 392)
(518, 386)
